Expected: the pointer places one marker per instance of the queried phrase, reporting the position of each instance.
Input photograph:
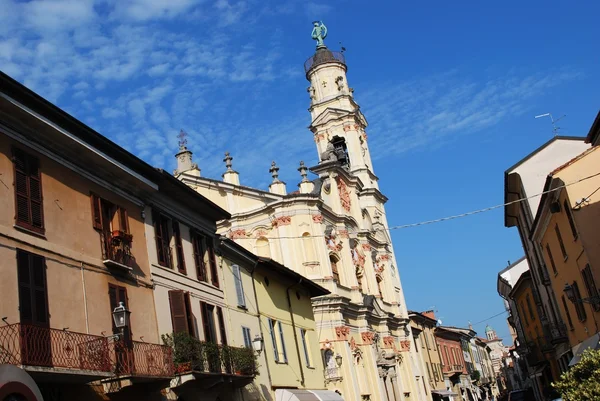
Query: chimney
(429, 313)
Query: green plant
(244, 361)
(582, 381)
(187, 351)
(476, 375)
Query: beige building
(428, 370)
(72, 249)
(332, 231)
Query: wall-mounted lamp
(257, 344)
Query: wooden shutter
(239, 289)
(33, 290)
(123, 219)
(274, 339)
(206, 322)
(282, 342)
(214, 275)
(96, 203)
(162, 236)
(579, 306)
(178, 247)
(222, 329)
(198, 245)
(28, 192)
(190, 315)
(179, 316)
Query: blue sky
(450, 90)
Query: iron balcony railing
(558, 332)
(324, 56)
(452, 368)
(29, 345)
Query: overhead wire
(447, 218)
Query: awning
(306, 395)
(444, 393)
(592, 342)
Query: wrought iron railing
(116, 247)
(29, 345)
(324, 57)
(452, 368)
(332, 373)
(558, 332)
(535, 355)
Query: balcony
(557, 333)
(452, 369)
(51, 354)
(116, 250)
(199, 360)
(535, 355)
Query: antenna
(554, 127)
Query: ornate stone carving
(343, 233)
(342, 332)
(330, 241)
(339, 81)
(344, 194)
(405, 345)
(378, 264)
(367, 337)
(319, 137)
(353, 345)
(281, 221)
(385, 257)
(237, 233)
(311, 92)
(388, 342)
(317, 218)
(366, 247)
(260, 233)
(347, 128)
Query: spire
(230, 175)
(306, 186)
(277, 186)
(184, 157)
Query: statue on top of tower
(319, 33)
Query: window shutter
(40, 289)
(161, 237)
(190, 316)
(178, 247)
(25, 290)
(123, 220)
(205, 322)
(28, 191)
(95, 202)
(214, 276)
(273, 339)
(178, 313)
(239, 289)
(199, 256)
(222, 329)
(282, 342)
(305, 346)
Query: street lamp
(257, 344)
(570, 293)
(338, 360)
(121, 316)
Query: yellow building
(566, 227)
(428, 370)
(539, 348)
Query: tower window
(341, 150)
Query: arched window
(309, 248)
(334, 260)
(262, 247)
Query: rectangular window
(29, 213)
(181, 312)
(570, 218)
(198, 243)
(33, 289)
(276, 330)
(208, 322)
(565, 306)
(560, 241)
(549, 252)
(531, 314)
(590, 285)
(212, 261)
(239, 288)
(112, 223)
(222, 328)
(178, 247)
(579, 306)
(247, 337)
(163, 239)
(305, 347)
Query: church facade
(333, 231)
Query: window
(199, 248)
(305, 347)
(579, 307)
(531, 314)
(163, 246)
(549, 252)
(276, 330)
(564, 301)
(178, 248)
(239, 288)
(247, 337)
(334, 268)
(590, 284)
(181, 312)
(112, 223)
(116, 295)
(426, 339)
(208, 322)
(262, 247)
(309, 249)
(222, 328)
(560, 241)
(33, 289)
(570, 218)
(29, 213)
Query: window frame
(179, 254)
(28, 160)
(561, 243)
(549, 252)
(590, 285)
(305, 347)
(579, 305)
(569, 214)
(247, 334)
(239, 285)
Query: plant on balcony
(582, 381)
(244, 361)
(187, 352)
(476, 375)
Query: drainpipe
(259, 321)
(85, 308)
(289, 299)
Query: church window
(309, 248)
(263, 248)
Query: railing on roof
(323, 56)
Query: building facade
(429, 363)
(565, 226)
(332, 231)
(454, 367)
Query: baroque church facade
(333, 231)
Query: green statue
(319, 33)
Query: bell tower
(337, 123)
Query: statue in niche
(339, 81)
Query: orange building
(566, 227)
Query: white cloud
(144, 10)
(111, 112)
(58, 15)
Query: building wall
(427, 347)
(76, 277)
